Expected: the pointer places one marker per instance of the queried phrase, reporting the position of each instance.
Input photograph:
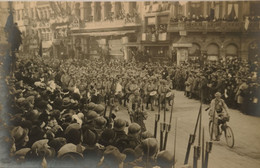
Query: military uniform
(137, 114)
(150, 87)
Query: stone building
(195, 31)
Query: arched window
(194, 53)
(231, 51)
(213, 52)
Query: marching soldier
(163, 93)
(136, 112)
(151, 91)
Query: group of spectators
(122, 15)
(200, 18)
(237, 81)
(54, 122)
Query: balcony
(111, 24)
(219, 26)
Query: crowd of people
(58, 114)
(59, 107)
(236, 80)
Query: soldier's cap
(99, 108)
(22, 152)
(19, 133)
(130, 154)
(149, 146)
(100, 122)
(134, 128)
(41, 148)
(73, 126)
(164, 158)
(112, 153)
(68, 148)
(91, 106)
(91, 115)
(146, 135)
(119, 124)
(90, 137)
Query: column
(205, 8)
(102, 10)
(113, 9)
(93, 11)
(127, 7)
(82, 11)
(187, 8)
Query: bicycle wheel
(229, 137)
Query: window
(254, 8)
(232, 10)
(213, 52)
(196, 8)
(231, 51)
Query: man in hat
(218, 108)
(20, 136)
(120, 141)
(134, 131)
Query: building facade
(195, 31)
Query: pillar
(93, 11)
(82, 11)
(187, 8)
(113, 9)
(127, 7)
(205, 8)
(103, 15)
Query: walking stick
(208, 150)
(199, 140)
(191, 140)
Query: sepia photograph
(130, 84)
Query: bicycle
(229, 136)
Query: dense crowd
(59, 107)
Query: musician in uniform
(136, 111)
(165, 94)
(151, 91)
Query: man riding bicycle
(220, 109)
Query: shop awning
(110, 33)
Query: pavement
(244, 154)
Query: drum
(169, 94)
(153, 93)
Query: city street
(245, 153)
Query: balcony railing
(110, 24)
(219, 26)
